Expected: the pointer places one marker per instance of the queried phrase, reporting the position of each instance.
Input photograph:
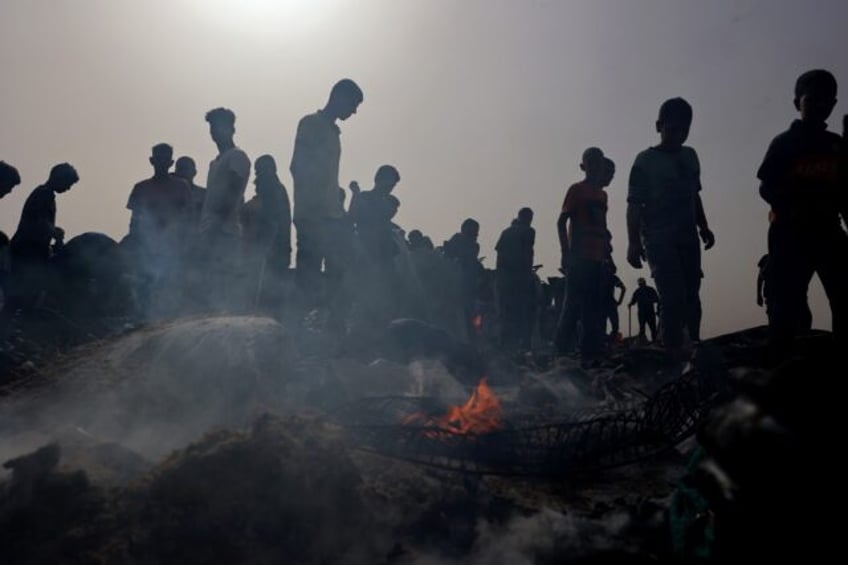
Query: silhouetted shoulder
(137, 190)
(311, 124)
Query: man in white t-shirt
(219, 232)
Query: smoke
(547, 536)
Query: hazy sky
(483, 105)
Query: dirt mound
(283, 492)
(157, 388)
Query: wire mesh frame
(593, 441)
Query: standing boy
(665, 216)
(803, 183)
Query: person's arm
(844, 168)
(638, 187)
(306, 160)
(770, 172)
(622, 290)
(531, 246)
(707, 236)
(760, 282)
(45, 218)
(635, 251)
(562, 230)
(564, 243)
(633, 298)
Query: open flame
(482, 413)
(477, 323)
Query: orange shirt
(586, 207)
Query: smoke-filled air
(421, 283)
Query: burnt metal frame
(590, 441)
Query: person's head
(9, 178)
(674, 122)
(815, 95)
(641, 281)
(393, 205)
(161, 157)
(592, 163)
(185, 168)
(415, 238)
(525, 216)
(386, 178)
(265, 165)
(607, 171)
(345, 98)
(470, 228)
(222, 125)
(62, 177)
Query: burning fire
(482, 413)
(477, 323)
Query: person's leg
(528, 312)
(594, 314)
(337, 247)
(832, 268)
(667, 270)
(690, 262)
(506, 298)
(790, 269)
(651, 319)
(612, 313)
(309, 258)
(572, 311)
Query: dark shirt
(266, 220)
(515, 248)
(372, 212)
(35, 229)
(160, 210)
(463, 250)
(666, 184)
(644, 297)
(801, 177)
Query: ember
(481, 414)
(477, 323)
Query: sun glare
(254, 16)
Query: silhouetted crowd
(193, 249)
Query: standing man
(516, 282)
(463, 249)
(585, 244)
(645, 297)
(219, 235)
(187, 170)
(9, 178)
(665, 216)
(323, 235)
(30, 246)
(159, 206)
(803, 180)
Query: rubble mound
(284, 491)
(159, 387)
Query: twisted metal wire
(595, 440)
